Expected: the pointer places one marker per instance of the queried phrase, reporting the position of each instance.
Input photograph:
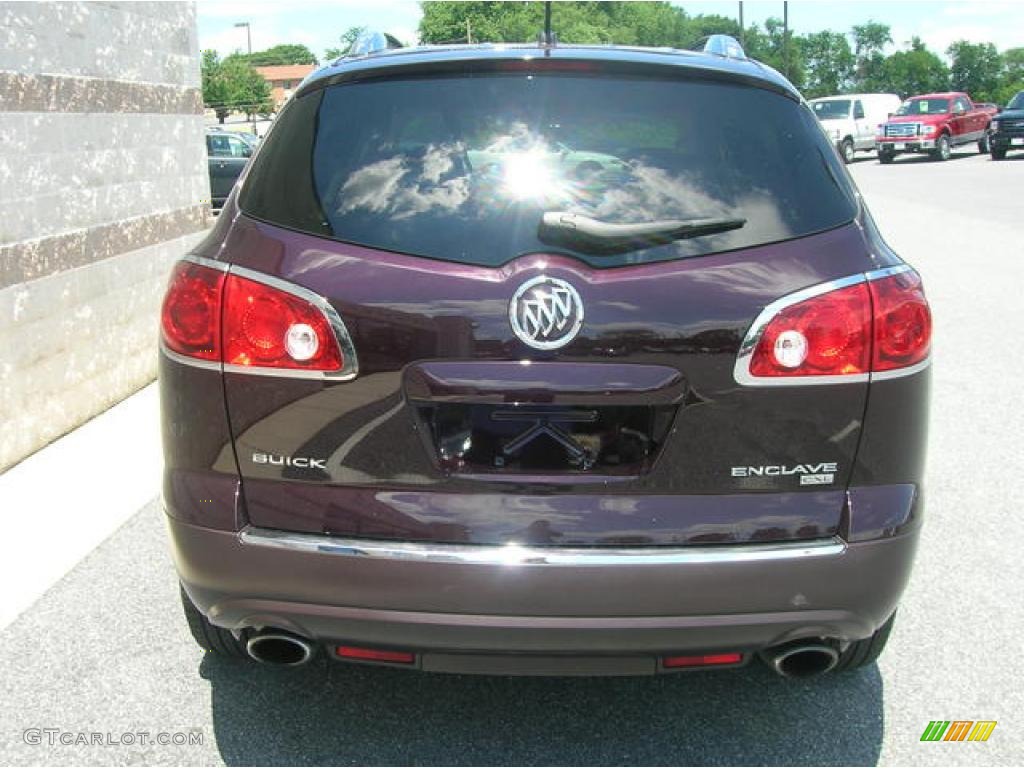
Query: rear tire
(984, 145)
(861, 653)
(847, 151)
(998, 154)
(943, 149)
(208, 636)
(886, 157)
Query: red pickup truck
(934, 123)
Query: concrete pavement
(59, 504)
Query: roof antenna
(548, 39)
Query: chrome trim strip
(878, 274)
(899, 373)
(519, 555)
(350, 368)
(741, 369)
(195, 362)
(205, 262)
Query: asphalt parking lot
(106, 649)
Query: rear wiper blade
(595, 236)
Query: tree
(1012, 79)
(286, 53)
(776, 48)
(829, 63)
(869, 41)
(641, 23)
(976, 69)
(1013, 64)
(233, 85)
(915, 71)
(699, 28)
(347, 38)
(216, 93)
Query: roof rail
(372, 41)
(724, 45)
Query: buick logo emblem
(546, 313)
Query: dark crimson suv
(545, 360)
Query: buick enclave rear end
(545, 361)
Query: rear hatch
(530, 369)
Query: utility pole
(785, 37)
(469, 32)
(248, 40)
(742, 28)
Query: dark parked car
(518, 420)
(227, 154)
(1008, 128)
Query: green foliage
(869, 41)
(640, 23)
(776, 49)
(1012, 78)
(347, 38)
(820, 63)
(232, 85)
(286, 53)
(976, 69)
(915, 71)
(829, 63)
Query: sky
(318, 23)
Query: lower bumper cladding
(541, 610)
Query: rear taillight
(903, 322)
(827, 335)
(211, 314)
(840, 332)
(267, 327)
(190, 317)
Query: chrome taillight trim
(741, 369)
(515, 555)
(195, 362)
(347, 372)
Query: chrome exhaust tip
(804, 660)
(279, 650)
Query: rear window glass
(464, 168)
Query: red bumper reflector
(710, 660)
(374, 654)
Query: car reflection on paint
(527, 156)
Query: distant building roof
(286, 71)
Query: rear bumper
(464, 610)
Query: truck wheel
(847, 151)
(942, 149)
(208, 636)
(860, 653)
(984, 144)
(886, 157)
(998, 154)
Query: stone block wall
(103, 184)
